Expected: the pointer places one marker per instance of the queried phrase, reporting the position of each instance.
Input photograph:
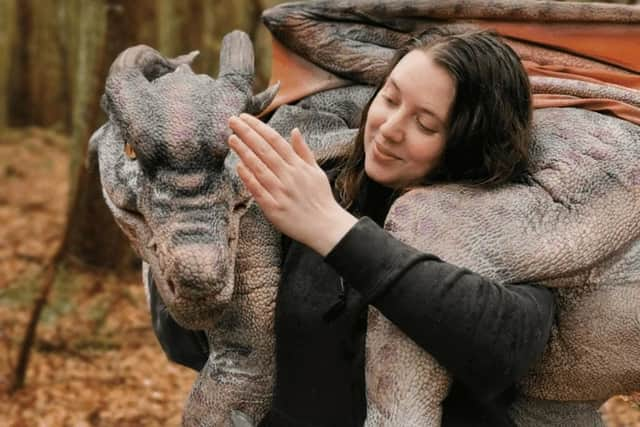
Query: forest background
(93, 359)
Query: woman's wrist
(330, 229)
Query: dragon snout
(197, 270)
(195, 282)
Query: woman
(452, 108)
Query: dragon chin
(181, 306)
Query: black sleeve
(183, 346)
(485, 334)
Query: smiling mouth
(383, 152)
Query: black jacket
(486, 334)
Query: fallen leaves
(96, 361)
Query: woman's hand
(288, 185)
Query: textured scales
(215, 258)
(574, 227)
(191, 220)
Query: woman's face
(405, 131)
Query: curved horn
(127, 90)
(236, 56)
(149, 61)
(259, 102)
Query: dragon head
(168, 175)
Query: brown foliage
(96, 361)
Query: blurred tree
(54, 56)
(7, 39)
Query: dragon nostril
(240, 207)
(172, 286)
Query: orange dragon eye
(128, 150)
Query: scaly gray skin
(356, 38)
(575, 227)
(220, 272)
(189, 217)
(213, 255)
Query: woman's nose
(392, 128)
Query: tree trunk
(8, 20)
(55, 76)
(92, 235)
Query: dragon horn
(237, 64)
(236, 60)
(148, 61)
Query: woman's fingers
(269, 158)
(259, 193)
(256, 143)
(301, 147)
(279, 144)
(260, 172)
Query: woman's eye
(389, 100)
(425, 128)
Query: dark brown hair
(488, 128)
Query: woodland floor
(96, 361)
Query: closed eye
(389, 100)
(425, 129)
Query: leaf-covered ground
(96, 361)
